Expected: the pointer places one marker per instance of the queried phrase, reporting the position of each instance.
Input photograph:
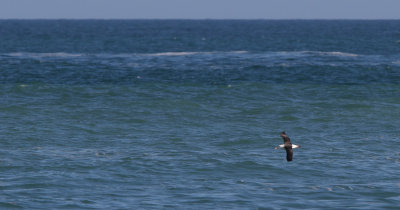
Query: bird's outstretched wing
(289, 153)
(294, 146)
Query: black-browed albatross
(287, 144)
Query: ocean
(185, 114)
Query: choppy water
(186, 114)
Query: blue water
(185, 114)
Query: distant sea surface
(185, 114)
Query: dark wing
(289, 153)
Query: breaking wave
(160, 54)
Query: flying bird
(288, 146)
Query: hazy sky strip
(200, 9)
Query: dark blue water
(181, 114)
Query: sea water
(185, 114)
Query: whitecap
(328, 53)
(239, 52)
(341, 54)
(42, 55)
(287, 53)
(312, 53)
(270, 54)
(14, 54)
(396, 62)
(195, 53)
(172, 53)
(116, 55)
(60, 54)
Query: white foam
(310, 53)
(328, 53)
(42, 55)
(239, 52)
(341, 54)
(60, 54)
(172, 53)
(194, 53)
(271, 54)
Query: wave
(112, 55)
(339, 54)
(171, 54)
(270, 54)
(42, 55)
(193, 53)
(313, 53)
